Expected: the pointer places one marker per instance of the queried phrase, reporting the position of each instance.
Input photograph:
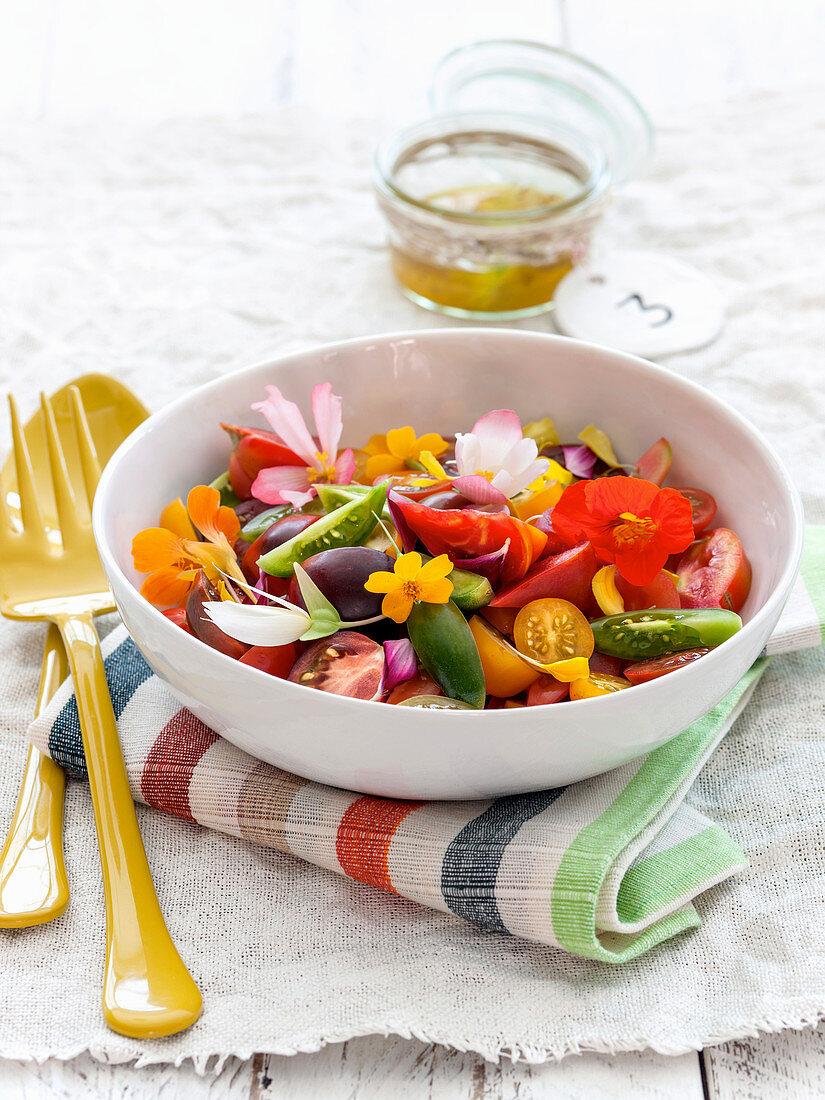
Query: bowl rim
(612, 701)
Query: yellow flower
(411, 582)
(389, 454)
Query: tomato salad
(500, 567)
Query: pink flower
(496, 450)
(293, 484)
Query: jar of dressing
(491, 202)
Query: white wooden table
(349, 57)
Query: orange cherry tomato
(598, 683)
(551, 630)
(505, 673)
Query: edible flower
(257, 624)
(630, 523)
(411, 582)
(497, 450)
(294, 484)
(172, 555)
(394, 452)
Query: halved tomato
(567, 576)
(703, 505)
(277, 660)
(505, 674)
(546, 690)
(642, 671)
(552, 630)
(714, 572)
(420, 684)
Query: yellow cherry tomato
(576, 668)
(608, 596)
(551, 630)
(505, 673)
(598, 683)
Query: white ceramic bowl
(442, 381)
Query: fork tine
(63, 493)
(88, 455)
(30, 510)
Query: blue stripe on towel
(125, 672)
(471, 862)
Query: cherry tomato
(603, 662)
(552, 630)
(202, 626)
(703, 505)
(421, 684)
(642, 671)
(255, 449)
(546, 690)
(505, 673)
(502, 618)
(177, 615)
(660, 592)
(598, 683)
(568, 575)
(277, 660)
(346, 663)
(655, 462)
(715, 572)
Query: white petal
(257, 625)
(497, 432)
(527, 476)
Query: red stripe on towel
(364, 837)
(172, 759)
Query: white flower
(497, 450)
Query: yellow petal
(575, 668)
(599, 444)
(401, 442)
(380, 465)
(382, 582)
(608, 596)
(377, 445)
(432, 465)
(174, 517)
(436, 591)
(408, 566)
(435, 570)
(397, 606)
(543, 432)
(431, 442)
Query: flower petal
(497, 432)
(169, 586)
(479, 490)
(437, 591)
(640, 564)
(382, 465)
(467, 453)
(202, 504)
(382, 581)
(435, 569)
(376, 446)
(397, 606)
(345, 467)
(326, 409)
(408, 566)
(432, 442)
(401, 662)
(401, 442)
(270, 484)
(286, 419)
(157, 547)
(608, 497)
(174, 517)
(258, 625)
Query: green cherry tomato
(639, 635)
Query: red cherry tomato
(502, 618)
(177, 615)
(277, 660)
(661, 592)
(703, 505)
(255, 449)
(606, 665)
(642, 671)
(421, 684)
(547, 689)
(714, 572)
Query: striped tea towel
(604, 868)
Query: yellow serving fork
(147, 989)
(33, 884)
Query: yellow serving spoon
(52, 571)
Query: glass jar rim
(419, 135)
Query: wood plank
(785, 1066)
(375, 1068)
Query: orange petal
(174, 517)
(376, 446)
(156, 547)
(228, 524)
(379, 465)
(401, 442)
(431, 442)
(202, 504)
(168, 587)
(397, 606)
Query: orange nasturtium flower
(388, 454)
(173, 560)
(630, 522)
(412, 582)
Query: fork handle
(147, 990)
(33, 883)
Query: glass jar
(488, 209)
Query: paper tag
(641, 302)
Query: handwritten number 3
(668, 313)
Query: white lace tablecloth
(168, 256)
